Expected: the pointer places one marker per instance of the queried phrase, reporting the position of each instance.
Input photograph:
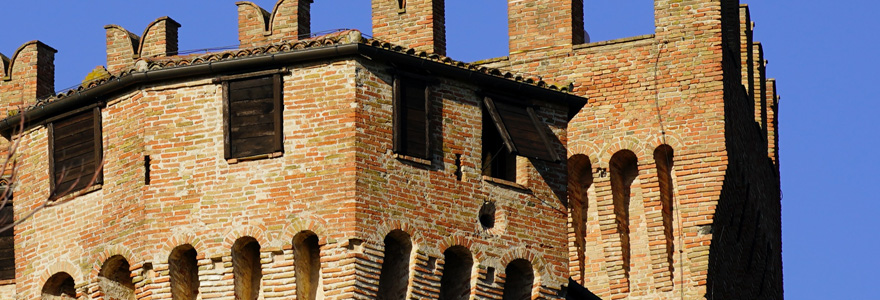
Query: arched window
(455, 283)
(663, 158)
(394, 277)
(246, 268)
(519, 280)
(115, 279)
(183, 268)
(59, 287)
(624, 170)
(580, 178)
(307, 265)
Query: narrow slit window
(252, 113)
(411, 118)
(76, 146)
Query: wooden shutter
(253, 116)
(523, 132)
(76, 151)
(411, 118)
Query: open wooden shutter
(524, 134)
(253, 116)
(76, 151)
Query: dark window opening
(394, 276)
(7, 239)
(247, 271)
(624, 170)
(487, 215)
(76, 149)
(147, 169)
(252, 110)
(183, 268)
(519, 278)
(455, 283)
(401, 5)
(59, 287)
(511, 129)
(307, 265)
(115, 279)
(411, 118)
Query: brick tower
(345, 167)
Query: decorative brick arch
(114, 250)
(671, 139)
(256, 232)
(631, 143)
(454, 240)
(535, 260)
(299, 224)
(62, 267)
(415, 237)
(587, 149)
(177, 240)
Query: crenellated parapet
(290, 20)
(124, 47)
(28, 75)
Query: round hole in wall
(487, 215)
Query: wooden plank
(251, 93)
(262, 107)
(543, 132)
(250, 75)
(499, 124)
(397, 116)
(253, 130)
(227, 150)
(99, 145)
(85, 147)
(427, 102)
(278, 92)
(81, 137)
(248, 83)
(252, 146)
(245, 121)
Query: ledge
(420, 161)
(506, 183)
(615, 41)
(233, 161)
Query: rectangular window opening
(75, 144)
(412, 118)
(252, 115)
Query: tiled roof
(336, 38)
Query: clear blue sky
(820, 51)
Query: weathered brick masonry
(666, 186)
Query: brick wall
(668, 88)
